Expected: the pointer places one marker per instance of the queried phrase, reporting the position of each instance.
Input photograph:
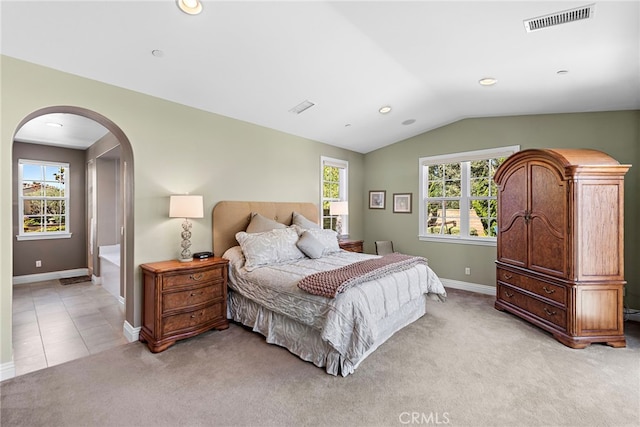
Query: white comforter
(347, 322)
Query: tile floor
(54, 323)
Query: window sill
(477, 241)
(44, 236)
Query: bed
(333, 332)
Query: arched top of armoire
(570, 162)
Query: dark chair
(384, 247)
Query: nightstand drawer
(193, 319)
(192, 297)
(193, 278)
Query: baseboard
(467, 286)
(30, 278)
(130, 333)
(96, 280)
(7, 370)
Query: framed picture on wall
(402, 202)
(376, 199)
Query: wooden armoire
(560, 254)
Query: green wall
(395, 169)
(176, 149)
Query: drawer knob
(508, 276)
(508, 294)
(194, 315)
(549, 312)
(197, 276)
(193, 294)
(547, 290)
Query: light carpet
(462, 364)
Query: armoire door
(512, 208)
(547, 221)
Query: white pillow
(328, 239)
(301, 221)
(312, 247)
(270, 247)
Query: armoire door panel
(511, 217)
(513, 247)
(547, 248)
(548, 220)
(548, 197)
(514, 193)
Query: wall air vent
(303, 106)
(564, 17)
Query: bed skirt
(305, 341)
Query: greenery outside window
(43, 200)
(334, 184)
(459, 196)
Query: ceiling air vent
(564, 17)
(304, 105)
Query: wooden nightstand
(351, 245)
(182, 299)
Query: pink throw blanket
(331, 283)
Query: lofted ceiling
(256, 61)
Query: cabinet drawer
(194, 277)
(193, 319)
(550, 313)
(192, 297)
(557, 293)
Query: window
(334, 189)
(43, 200)
(459, 196)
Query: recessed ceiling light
(54, 124)
(562, 72)
(191, 7)
(384, 110)
(488, 81)
(157, 53)
(409, 122)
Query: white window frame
(464, 159)
(343, 165)
(41, 235)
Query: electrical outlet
(467, 271)
(38, 263)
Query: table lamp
(338, 209)
(186, 206)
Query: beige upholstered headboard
(230, 217)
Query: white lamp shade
(186, 206)
(339, 208)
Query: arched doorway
(126, 172)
